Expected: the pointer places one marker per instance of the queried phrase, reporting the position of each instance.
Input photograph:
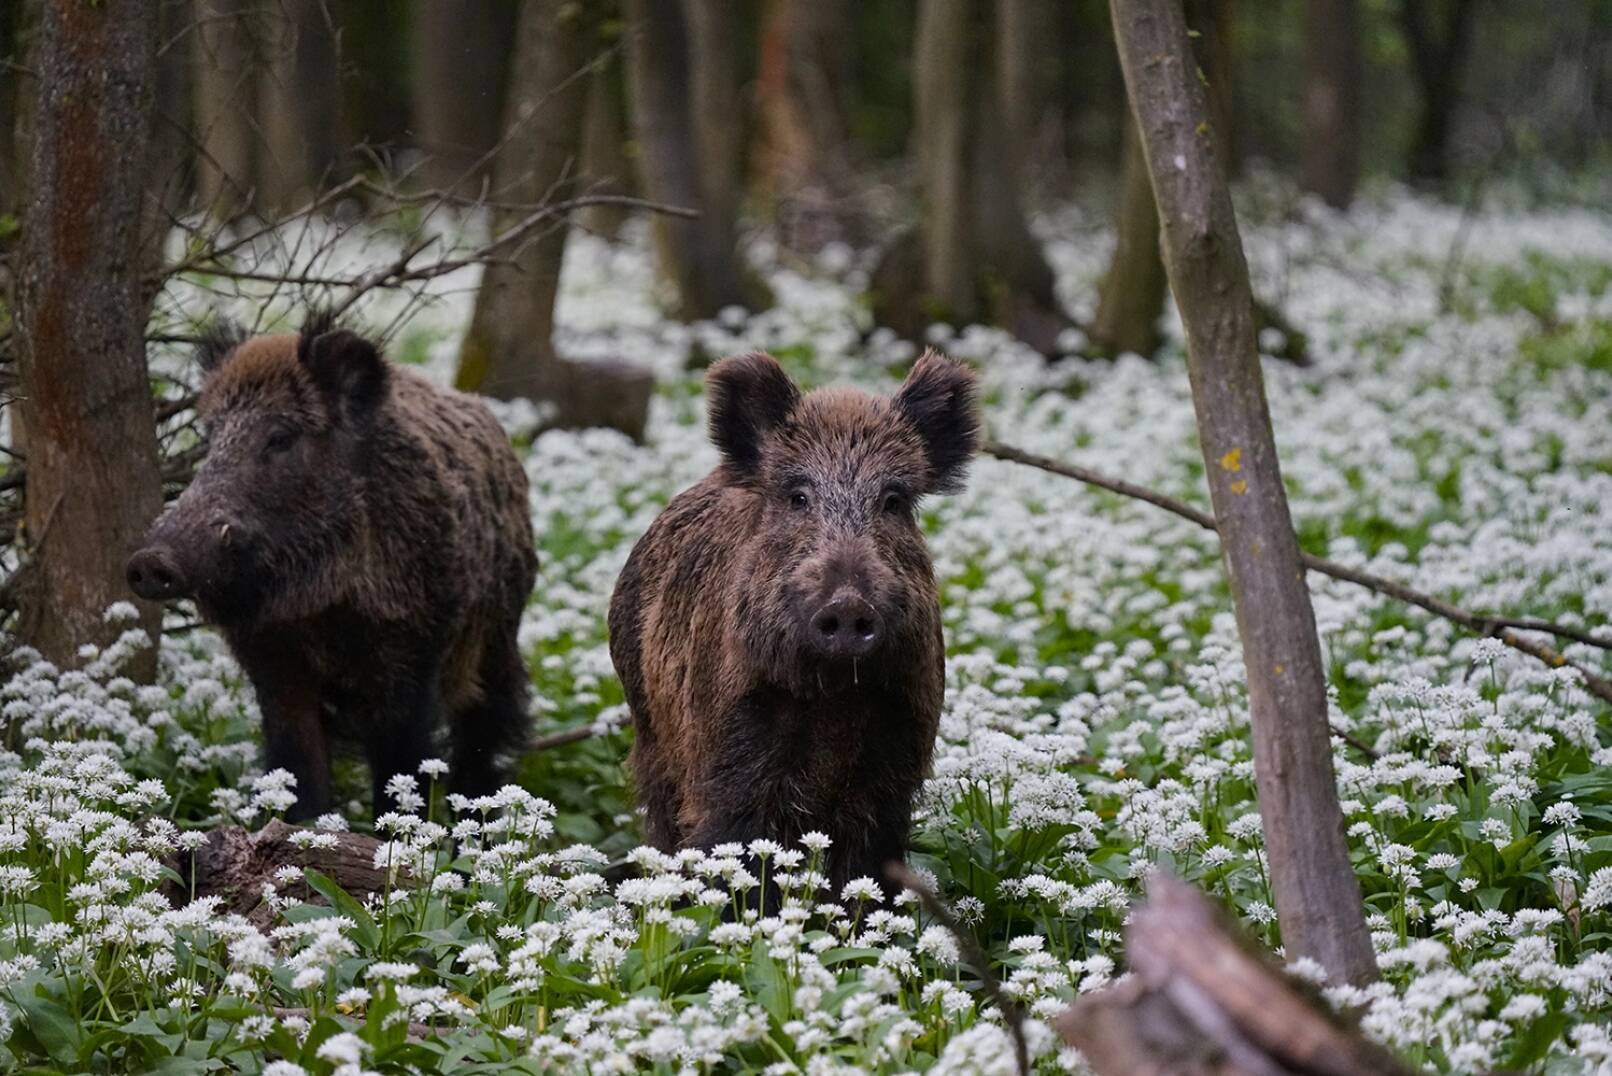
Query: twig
(1499, 627)
(1012, 1011)
(568, 736)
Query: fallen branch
(1503, 628)
(1202, 1000)
(1012, 1011)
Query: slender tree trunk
(460, 55)
(947, 81)
(92, 478)
(1317, 895)
(698, 257)
(605, 168)
(509, 351)
(299, 105)
(1131, 298)
(1026, 53)
(1331, 151)
(803, 167)
(1438, 56)
(228, 67)
(973, 256)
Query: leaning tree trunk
(1438, 55)
(1331, 152)
(699, 257)
(1130, 300)
(225, 84)
(92, 471)
(299, 105)
(509, 351)
(1317, 895)
(459, 51)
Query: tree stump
(1202, 1000)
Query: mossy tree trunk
(1317, 895)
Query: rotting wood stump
(1202, 1000)
(235, 864)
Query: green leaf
(56, 1029)
(366, 933)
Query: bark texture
(235, 864)
(459, 51)
(1438, 37)
(228, 67)
(1330, 165)
(92, 477)
(509, 351)
(667, 39)
(1203, 1001)
(1317, 894)
(1131, 298)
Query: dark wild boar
(362, 539)
(777, 629)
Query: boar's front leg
(294, 736)
(398, 721)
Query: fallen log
(235, 864)
(1201, 1000)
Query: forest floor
(1454, 431)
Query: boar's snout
(154, 574)
(846, 627)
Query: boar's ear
(938, 398)
(346, 367)
(216, 342)
(747, 395)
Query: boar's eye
(799, 501)
(896, 502)
(282, 438)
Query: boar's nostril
(847, 627)
(153, 574)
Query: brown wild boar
(362, 539)
(777, 628)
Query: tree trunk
(92, 477)
(228, 68)
(605, 169)
(1213, 23)
(1026, 53)
(1131, 298)
(459, 53)
(946, 81)
(803, 167)
(509, 351)
(1331, 151)
(1202, 1000)
(1317, 895)
(973, 252)
(168, 172)
(1438, 56)
(698, 257)
(299, 106)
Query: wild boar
(777, 629)
(361, 537)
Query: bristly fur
(743, 728)
(217, 340)
(315, 323)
